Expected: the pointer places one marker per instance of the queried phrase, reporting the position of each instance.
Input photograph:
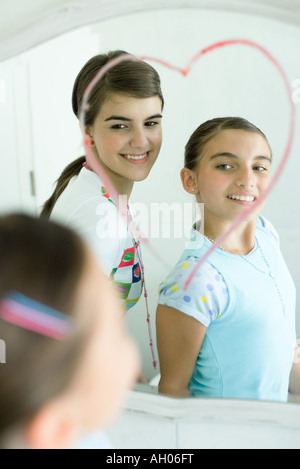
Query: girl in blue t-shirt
(231, 333)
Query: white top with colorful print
(85, 206)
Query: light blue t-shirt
(247, 304)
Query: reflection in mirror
(43, 136)
(227, 329)
(123, 136)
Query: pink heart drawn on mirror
(185, 72)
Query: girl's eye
(260, 169)
(151, 124)
(224, 167)
(118, 126)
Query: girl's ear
(188, 180)
(88, 131)
(89, 134)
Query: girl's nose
(139, 138)
(245, 179)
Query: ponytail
(73, 169)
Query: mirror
(42, 135)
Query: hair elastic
(22, 311)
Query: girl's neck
(122, 186)
(241, 241)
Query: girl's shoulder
(205, 298)
(85, 202)
(265, 226)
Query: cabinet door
(17, 191)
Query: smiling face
(128, 135)
(233, 171)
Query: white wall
(41, 132)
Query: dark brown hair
(210, 129)
(134, 78)
(44, 262)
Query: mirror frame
(165, 422)
(32, 23)
(37, 26)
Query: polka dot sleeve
(206, 297)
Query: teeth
(242, 198)
(136, 157)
